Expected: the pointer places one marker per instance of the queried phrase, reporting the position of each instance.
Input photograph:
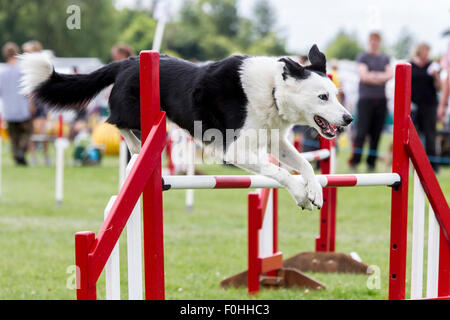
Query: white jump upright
(162, 16)
(112, 267)
(61, 144)
(418, 245)
(433, 255)
(266, 233)
(123, 162)
(134, 246)
(417, 239)
(190, 172)
(134, 253)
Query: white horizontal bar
(316, 155)
(376, 179)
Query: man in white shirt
(16, 107)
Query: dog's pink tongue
(333, 127)
(330, 130)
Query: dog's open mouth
(328, 130)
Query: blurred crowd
(430, 99)
(27, 121)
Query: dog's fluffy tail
(41, 82)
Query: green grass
(201, 249)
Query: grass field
(37, 238)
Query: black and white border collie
(240, 93)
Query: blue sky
(307, 22)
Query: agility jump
(92, 253)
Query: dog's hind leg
(133, 143)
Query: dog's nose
(348, 119)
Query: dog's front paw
(306, 205)
(300, 195)
(315, 192)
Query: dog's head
(305, 95)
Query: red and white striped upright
(263, 254)
(327, 222)
(407, 146)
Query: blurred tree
(403, 46)
(265, 18)
(203, 30)
(213, 29)
(139, 33)
(270, 45)
(22, 20)
(222, 14)
(343, 46)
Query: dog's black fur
(295, 70)
(211, 93)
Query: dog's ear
(293, 69)
(318, 60)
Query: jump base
(326, 262)
(286, 278)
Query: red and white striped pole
(263, 254)
(256, 182)
(327, 226)
(60, 145)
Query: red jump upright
(407, 146)
(145, 178)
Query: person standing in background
(425, 85)
(118, 53)
(16, 108)
(443, 105)
(121, 52)
(335, 78)
(375, 71)
(39, 113)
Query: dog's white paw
(315, 192)
(300, 194)
(306, 205)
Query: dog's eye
(323, 97)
